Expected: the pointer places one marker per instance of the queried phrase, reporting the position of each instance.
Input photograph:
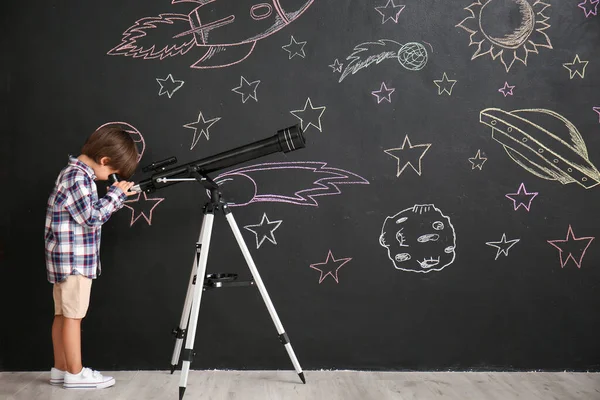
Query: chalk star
(390, 11)
(503, 245)
(294, 48)
(337, 67)
(589, 7)
(168, 85)
(477, 161)
(520, 195)
(247, 89)
(414, 154)
(311, 115)
(264, 230)
(443, 83)
(597, 109)
(577, 67)
(337, 264)
(203, 125)
(386, 96)
(507, 89)
(144, 207)
(572, 245)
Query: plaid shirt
(74, 219)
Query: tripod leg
(206, 233)
(180, 331)
(263, 291)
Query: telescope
(285, 140)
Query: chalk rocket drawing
(295, 48)
(507, 90)
(409, 155)
(384, 93)
(419, 239)
(572, 248)
(507, 29)
(305, 182)
(265, 230)
(522, 198)
(203, 125)
(143, 207)
(477, 161)
(247, 89)
(309, 115)
(544, 143)
(577, 67)
(168, 85)
(597, 109)
(589, 7)
(503, 246)
(390, 11)
(412, 56)
(445, 85)
(330, 267)
(336, 66)
(135, 134)
(225, 32)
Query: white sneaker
(87, 379)
(57, 376)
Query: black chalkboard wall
(443, 215)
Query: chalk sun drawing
(142, 207)
(577, 67)
(265, 229)
(572, 248)
(419, 239)
(330, 267)
(226, 35)
(305, 181)
(477, 161)
(203, 125)
(411, 56)
(493, 30)
(409, 155)
(133, 132)
(390, 11)
(503, 246)
(544, 143)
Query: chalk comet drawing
(133, 132)
(507, 29)
(544, 143)
(305, 182)
(412, 56)
(142, 207)
(572, 248)
(224, 32)
(419, 239)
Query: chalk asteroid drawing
(507, 29)
(225, 31)
(412, 56)
(305, 181)
(544, 143)
(419, 239)
(133, 132)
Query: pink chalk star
(145, 207)
(384, 89)
(337, 264)
(517, 197)
(507, 89)
(589, 7)
(597, 109)
(572, 245)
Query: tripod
(194, 291)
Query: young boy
(72, 239)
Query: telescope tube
(285, 140)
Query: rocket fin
(224, 56)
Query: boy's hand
(125, 186)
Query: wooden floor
(325, 385)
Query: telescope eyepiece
(291, 138)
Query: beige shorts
(72, 296)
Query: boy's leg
(71, 338)
(60, 361)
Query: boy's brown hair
(116, 144)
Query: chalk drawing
(311, 115)
(265, 229)
(507, 29)
(168, 85)
(522, 198)
(143, 207)
(577, 67)
(387, 93)
(294, 48)
(572, 248)
(247, 89)
(419, 239)
(597, 110)
(503, 245)
(445, 85)
(389, 12)
(336, 66)
(330, 267)
(507, 90)
(589, 7)
(411, 56)
(133, 132)
(306, 181)
(203, 125)
(409, 155)
(224, 34)
(544, 143)
(477, 161)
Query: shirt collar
(81, 165)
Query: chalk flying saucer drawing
(224, 32)
(544, 143)
(507, 29)
(412, 56)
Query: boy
(74, 219)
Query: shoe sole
(57, 382)
(89, 386)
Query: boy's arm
(92, 214)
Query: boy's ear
(104, 161)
